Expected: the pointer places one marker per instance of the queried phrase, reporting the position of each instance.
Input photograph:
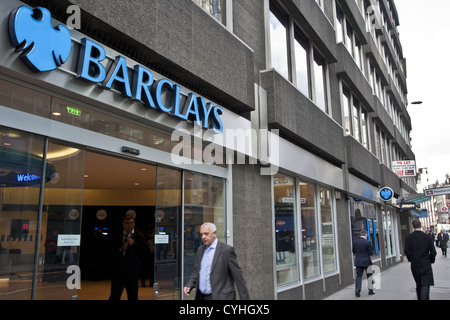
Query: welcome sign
(44, 48)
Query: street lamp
(417, 102)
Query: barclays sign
(45, 48)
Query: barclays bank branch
(167, 112)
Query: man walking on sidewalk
(443, 239)
(362, 248)
(420, 251)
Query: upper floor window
(346, 35)
(279, 42)
(295, 57)
(355, 118)
(216, 8)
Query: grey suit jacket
(225, 272)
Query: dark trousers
(423, 292)
(128, 280)
(202, 296)
(359, 275)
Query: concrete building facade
(284, 117)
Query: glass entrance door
(167, 244)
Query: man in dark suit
(216, 270)
(420, 251)
(362, 249)
(443, 239)
(128, 248)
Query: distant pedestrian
(420, 251)
(362, 248)
(443, 239)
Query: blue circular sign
(386, 194)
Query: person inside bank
(128, 251)
(216, 270)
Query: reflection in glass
(285, 230)
(363, 216)
(278, 45)
(24, 99)
(328, 243)
(301, 63)
(346, 111)
(204, 201)
(63, 203)
(167, 243)
(311, 265)
(319, 82)
(216, 8)
(21, 165)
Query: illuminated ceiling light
(62, 153)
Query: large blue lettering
(89, 66)
(119, 67)
(142, 86)
(217, 122)
(192, 113)
(157, 93)
(162, 95)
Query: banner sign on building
(404, 168)
(44, 48)
(437, 191)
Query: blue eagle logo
(386, 194)
(43, 46)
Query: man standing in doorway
(128, 248)
(216, 269)
(420, 251)
(362, 249)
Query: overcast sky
(425, 37)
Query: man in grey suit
(420, 251)
(216, 269)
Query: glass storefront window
(328, 241)
(167, 244)
(388, 225)
(204, 201)
(363, 216)
(24, 99)
(21, 165)
(285, 230)
(62, 211)
(311, 262)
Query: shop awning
(417, 198)
(423, 213)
